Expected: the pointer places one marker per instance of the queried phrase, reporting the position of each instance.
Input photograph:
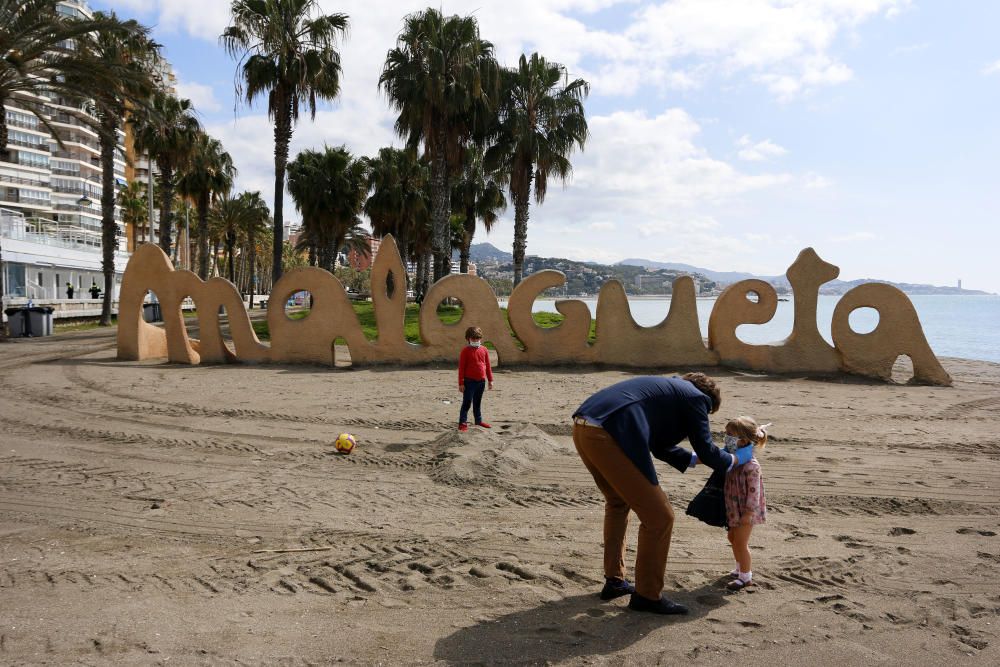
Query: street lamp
(85, 201)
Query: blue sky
(728, 134)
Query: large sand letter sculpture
(675, 342)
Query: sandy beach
(154, 514)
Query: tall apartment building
(50, 215)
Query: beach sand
(155, 513)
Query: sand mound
(482, 456)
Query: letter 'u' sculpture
(675, 342)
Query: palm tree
(541, 120)
(168, 132)
(132, 202)
(397, 203)
(442, 78)
(289, 55)
(228, 216)
(209, 174)
(128, 47)
(38, 59)
(254, 224)
(329, 189)
(476, 196)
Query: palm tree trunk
(3, 154)
(4, 137)
(230, 264)
(252, 248)
(312, 254)
(282, 137)
(109, 230)
(520, 234)
(166, 203)
(440, 208)
(203, 204)
(215, 257)
(426, 259)
(470, 231)
(418, 280)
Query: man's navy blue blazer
(650, 415)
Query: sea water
(955, 326)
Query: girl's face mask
(732, 443)
(475, 343)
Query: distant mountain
(726, 277)
(832, 287)
(486, 253)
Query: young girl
(473, 372)
(744, 491)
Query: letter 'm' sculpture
(674, 342)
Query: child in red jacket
(474, 371)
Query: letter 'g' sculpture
(675, 342)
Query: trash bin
(16, 320)
(39, 320)
(151, 312)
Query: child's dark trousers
(473, 396)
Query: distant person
(617, 431)
(69, 290)
(95, 291)
(744, 491)
(474, 371)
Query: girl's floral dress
(744, 491)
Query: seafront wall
(675, 342)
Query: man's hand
(744, 454)
(461, 388)
(491, 385)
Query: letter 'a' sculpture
(675, 342)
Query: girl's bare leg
(739, 537)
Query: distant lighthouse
(959, 283)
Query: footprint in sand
(975, 531)
(897, 531)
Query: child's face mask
(732, 443)
(475, 343)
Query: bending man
(617, 431)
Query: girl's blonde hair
(747, 429)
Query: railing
(26, 124)
(28, 144)
(18, 198)
(23, 181)
(43, 231)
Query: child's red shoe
(463, 427)
(483, 424)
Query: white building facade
(50, 216)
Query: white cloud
(992, 68)
(601, 226)
(814, 181)
(785, 45)
(853, 237)
(201, 95)
(201, 18)
(909, 48)
(760, 151)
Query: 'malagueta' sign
(675, 343)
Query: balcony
(32, 124)
(14, 197)
(24, 181)
(28, 144)
(45, 232)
